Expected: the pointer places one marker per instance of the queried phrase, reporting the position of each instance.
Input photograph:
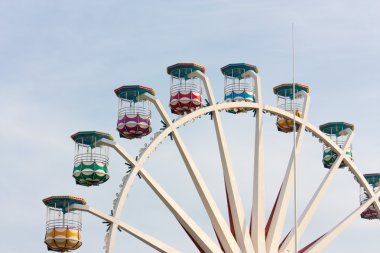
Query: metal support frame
(224, 234)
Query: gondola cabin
(63, 226)
(134, 111)
(374, 181)
(289, 102)
(237, 86)
(185, 92)
(338, 132)
(90, 161)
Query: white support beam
(188, 224)
(333, 233)
(95, 212)
(277, 223)
(234, 200)
(191, 227)
(311, 208)
(112, 234)
(147, 239)
(219, 224)
(221, 228)
(258, 201)
(160, 108)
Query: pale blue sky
(61, 60)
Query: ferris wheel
(240, 232)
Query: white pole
(280, 209)
(294, 149)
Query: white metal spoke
(199, 236)
(147, 239)
(219, 224)
(189, 225)
(258, 202)
(130, 178)
(333, 233)
(221, 228)
(154, 243)
(234, 200)
(310, 209)
(280, 209)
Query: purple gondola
(134, 113)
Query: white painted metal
(191, 227)
(276, 228)
(310, 209)
(258, 201)
(258, 227)
(295, 196)
(184, 219)
(147, 239)
(333, 233)
(219, 224)
(235, 203)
